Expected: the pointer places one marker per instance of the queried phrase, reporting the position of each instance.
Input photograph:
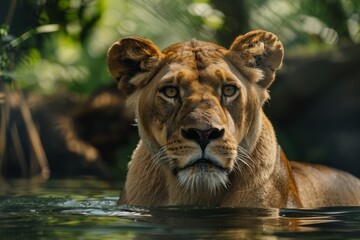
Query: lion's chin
(202, 179)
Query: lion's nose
(202, 137)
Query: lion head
(198, 105)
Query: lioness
(205, 139)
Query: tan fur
(204, 137)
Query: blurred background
(62, 116)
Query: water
(86, 209)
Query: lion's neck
(264, 152)
(267, 179)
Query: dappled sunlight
(312, 25)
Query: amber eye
(229, 90)
(170, 92)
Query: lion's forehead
(196, 63)
(219, 72)
(193, 45)
(195, 54)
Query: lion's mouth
(201, 164)
(205, 176)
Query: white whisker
(160, 157)
(244, 159)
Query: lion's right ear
(259, 54)
(129, 57)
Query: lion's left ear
(259, 54)
(130, 57)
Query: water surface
(86, 209)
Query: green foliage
(306, 24)
(75, 55)
(4, 55)
(73, 52)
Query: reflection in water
(87, 209)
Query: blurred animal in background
(79, 135)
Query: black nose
(202, 137)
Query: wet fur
(244, 167)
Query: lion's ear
(260, 51)
(131, 56)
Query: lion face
(198, 104)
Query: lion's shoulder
(315, 183)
